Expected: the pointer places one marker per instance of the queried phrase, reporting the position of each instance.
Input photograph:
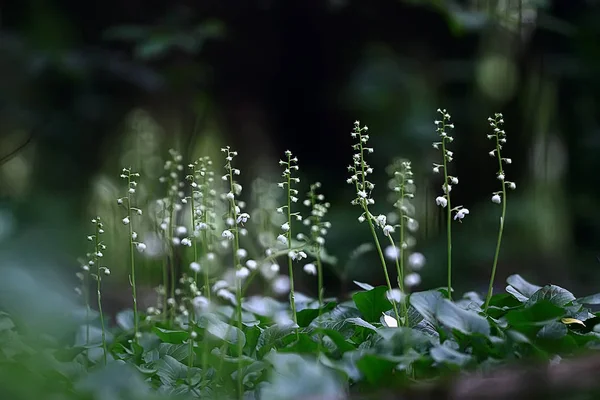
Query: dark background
(91, 87)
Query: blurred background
(87, 88)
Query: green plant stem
(289, 236)
(382, 259)
(172, 258)
(448, 219)
(99, 294)
(500, 231)
(132, 256)
(399, 270)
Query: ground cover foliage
(207, 337)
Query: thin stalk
(289, 235)
(172, 258)
(98, 289)
(399, 269)
(448, 219)
(500, 231)
(132, 255)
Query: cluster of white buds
(285, 237)
(236, 218)
(171, 203)
(132, 211)
(499, 137)
(99, 247)
(360, 170)
(318, 227)
(442, 127)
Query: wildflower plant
(285, 238)
(131, 212)
(442, 128)
(318, 230)
(96, 258)
(360, 170)
(235, 221)
(498, 135)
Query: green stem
(500, 231)
(132, 255)
(400, 271)
(172, 258)
(99, 294)
(289, 237)
(448, 219)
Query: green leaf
(170, 370)
(305, 344)
(169, 336)
(361, 322)
(221, 330)
(294, 377)
(554, 294)
(520, 288)
(553, 330)
(338, 339)
(528, 320)
(426, 303)
(306, 316)
(337, 320)
(446, 355)
(591, 299)
(377, 368)
(465, 321)
(372, 303)
(272, 337)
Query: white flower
(508, 160)
(460, 214)
(392, 252)
(310, 269)
(496, 199)
(394, 295)
(389, 321)
(200, 302)
(125, 221)
(186, 242)
(181, 230)
(195, 266)
(501, 177)
(134, 235)
(512, 185)
(381, 219)
(106, 271)
(361, 218)
(436, 170)
(141, 247)
(388, 229)
(412, 279)
(447, 188)
(281, 285)
(416, 261)
(454, 180)
(251, 264)
(282, 239)
(242, 253)
(274, 267)
(362, 194)
(227, 234)
(243, 218)
(230, 196)
(285, 227)
(242, 273)
(441, 201)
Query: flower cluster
(285, 237)
(318, 227)
(126, 202)
(442, 127)
(499, 137)
(360, 169)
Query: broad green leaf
(553, 330)
(294, 377)
(170, 370)
(169, 336)
(221, 330)
(306, 316)
(361, 322)
(465, 321)
(377, 368)
(426, 303)
(304, 345)
(337, 319)
(338, 339)
(372, 303)
(591, 299)
(272, 338)
(446, 355)
(554, 294)
(522, 287)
